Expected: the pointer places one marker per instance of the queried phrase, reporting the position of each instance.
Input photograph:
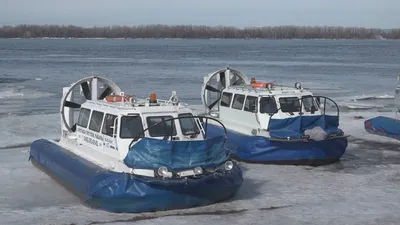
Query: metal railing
(316, 100)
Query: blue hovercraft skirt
(121, 192)
(258, 149)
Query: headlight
(228, 165)
(162, 171)
(198, 170)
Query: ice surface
(20, 92)
(355, 127)
(372, 97)
(361, 189)
(336, 194)
(22, 130)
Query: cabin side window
(289, 104)
(96, 121)
(238, 101)
(226, 99)
(131, 127)
(163, 127)
(309, 103)
(268, 105)
(188, 124)
(250, 104)
(83, 118)
(108, 124)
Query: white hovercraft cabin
(247, 107)
(106, 127)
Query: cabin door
(267, 108)
(109, 128)
(263, 120)
(131, 126)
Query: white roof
(275, 90)
(139, 107)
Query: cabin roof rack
(247, 89)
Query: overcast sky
(240, 13)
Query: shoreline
(270, 39)
(159, 31)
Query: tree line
(197, 32)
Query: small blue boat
(123, 154)
(274, 124)
(383, 126)
(386, 126)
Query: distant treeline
(197, 32)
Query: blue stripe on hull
(262, 150)
(121, 192)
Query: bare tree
(197, 32)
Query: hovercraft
(124, 154)
(383, 125)
(270, 123)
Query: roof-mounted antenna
(269, 87)
(91, 66)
